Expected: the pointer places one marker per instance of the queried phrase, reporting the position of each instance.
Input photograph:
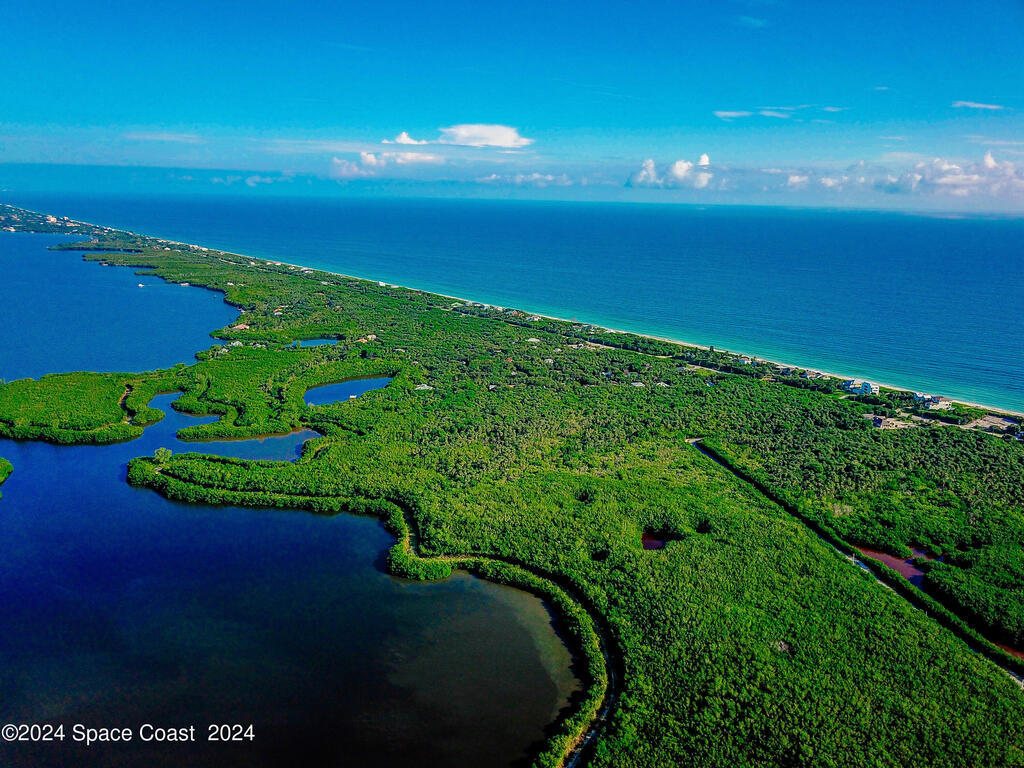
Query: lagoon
(122, 608)
(63, 310)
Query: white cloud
(372, 162)
(483, 135)
(346, 169)
(647, 176)
(680, 169)
(989, 177)
(163, 136)
(681, 173)
(898, 173)
(773, 113)
(976, 105)
(404, 138)
(882, 88)
(539, 180)
(723, 114)
(893, 138)
(411, 158)
(834, 109)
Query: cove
(73, 315)
(123, 608)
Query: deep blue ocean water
(927, 303)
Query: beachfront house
(860, 387)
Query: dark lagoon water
(921, 302)
(344, 390)
(63, 308)
(122, 608)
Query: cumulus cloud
(404, 138)
(647, 176)
(483, 135)
(679, 174)
(370, 163)
(898, 173)
(940, 176)
(976, 105)
(346, 169)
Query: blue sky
(912, 104)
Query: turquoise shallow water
(924, 303)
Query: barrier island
(693, 516)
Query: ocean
(922, 302)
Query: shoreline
(998, 410)
(678, 342)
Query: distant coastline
(825, 371)
(666, 339)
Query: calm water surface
(121, 608)
(73, 315)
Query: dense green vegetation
(528, 452)
(5, 470)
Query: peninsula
(691, 514)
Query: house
(860, 387)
